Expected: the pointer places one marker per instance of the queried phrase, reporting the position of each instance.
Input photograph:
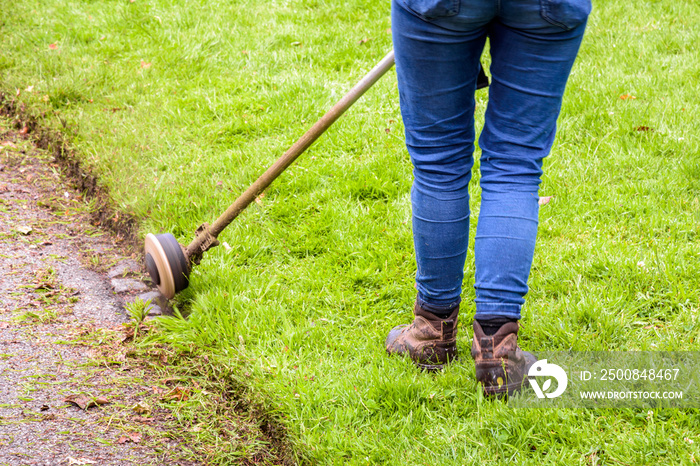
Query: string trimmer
(169, 264)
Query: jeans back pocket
(433, 9)
(567, 14)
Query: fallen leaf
(145, 64)
(81, 401)
(157, 390)
(29, 88)
(627, 97)
(24, 131)
(134, 437)
(544, 200)
(53, 46)
(644, 128)
(259, 199)
(141, 408)
(364, 41)
(79, 461)
(85, 402)
(23, 229)
(177, 394)
(128, 335)
(44, 408)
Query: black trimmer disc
(166, 264)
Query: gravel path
(69, 395)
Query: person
(438, 46)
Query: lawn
(178, 106)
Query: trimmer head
(166, 264)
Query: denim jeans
(438, 45)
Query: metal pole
(291, 155)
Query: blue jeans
(438, 44)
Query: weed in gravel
(138, 311)
(45, 317)
(48, 298)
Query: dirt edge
(28, 122)
(106, 214)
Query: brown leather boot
(501, 366)
(430, 341)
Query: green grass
(323, 267)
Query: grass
(178, 106)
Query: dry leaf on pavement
(134, 437)
(177, 394)
(141, 408)
(79, 461)
(24, 229)
(84, 402)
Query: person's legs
(531, 61)
(437, 71)
(437, 63)
(533, 47)
(437, 45)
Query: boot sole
(430, 367)
(434, 367)
(503, 390)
